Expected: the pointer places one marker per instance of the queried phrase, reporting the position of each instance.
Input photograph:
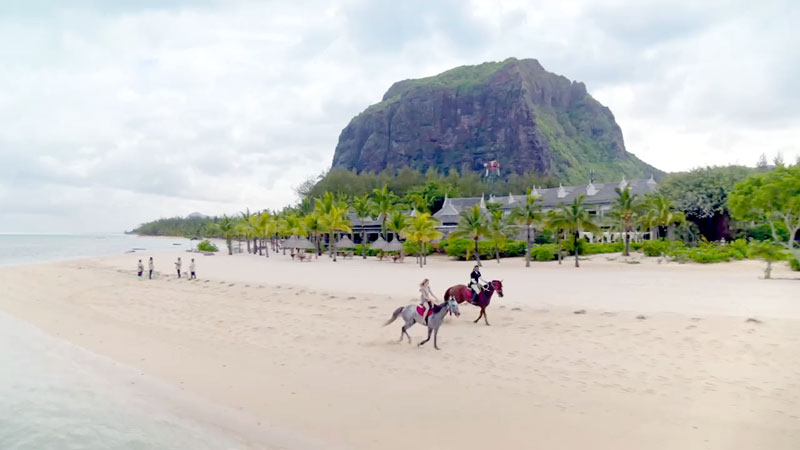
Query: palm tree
(227, 229)
(574, 219)
(316, 228)
(422, 230)
(244, 228)
(529, 213)
(335, 221)
(473, 225)
(499, 231)
(397, 223)
(363, 208)
(668, 216)
(383, 201)
(625, 211)
(264, 227)
(554, 221)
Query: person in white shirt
(178, 266)
(151, 267)
(191, 269)
(140, 267)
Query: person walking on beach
(178, 266)
(151, 267)
(191, 269)
(426, 298)
(140, 267)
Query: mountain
(514, 111)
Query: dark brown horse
(463, 293)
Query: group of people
(178, 264)
(427, 297)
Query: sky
(118, 112)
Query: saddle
(420, 309)
(469, 295)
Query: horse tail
(394, 315)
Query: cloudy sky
(116, 112)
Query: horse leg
(435, 336)
(426, 340)
(405, 330)
(479, 316)
(485, 317)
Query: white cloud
(113, 115)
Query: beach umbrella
(378, 244)
(394, 246)
(289, 242)
(345, 242)
(302, 243)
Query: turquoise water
(54, 395)
(18, 249)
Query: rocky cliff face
(513, 111)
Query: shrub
(464, 249)
(738, 249)
(207, 246)
(661, 247)
(544, 252)
(794, 264)
(412, 248)
(603, 247)
(514, 248)
(568, 246)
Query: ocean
(18, 249)
(57, 396)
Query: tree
(397, 223)
(315, 227)
(473, 224)
(383, 201)
(768, 251)
(555, 222)
(422, 230)
(772, 198)
(624, 211)
(574, 219)
(227, 228)
(702, 195)
(336, 221)
(528, 213)
(246, 227)
(778, 160)
(762, 161)
(362, 205)
(663, 209)
(499, 229)
(264, 225)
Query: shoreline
(299, 346)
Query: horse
(462, 293)
(413, 314)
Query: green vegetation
(424, 191)
(207, 246)
(772, 198)
(702, 195)
(473, 225)
(528, 214)
(462, 79)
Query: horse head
(452, 306)
(497, 285)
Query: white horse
(412, 315)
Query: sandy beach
(663, 357)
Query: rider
(476, 282)
(426, 298)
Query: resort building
(598, 197)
